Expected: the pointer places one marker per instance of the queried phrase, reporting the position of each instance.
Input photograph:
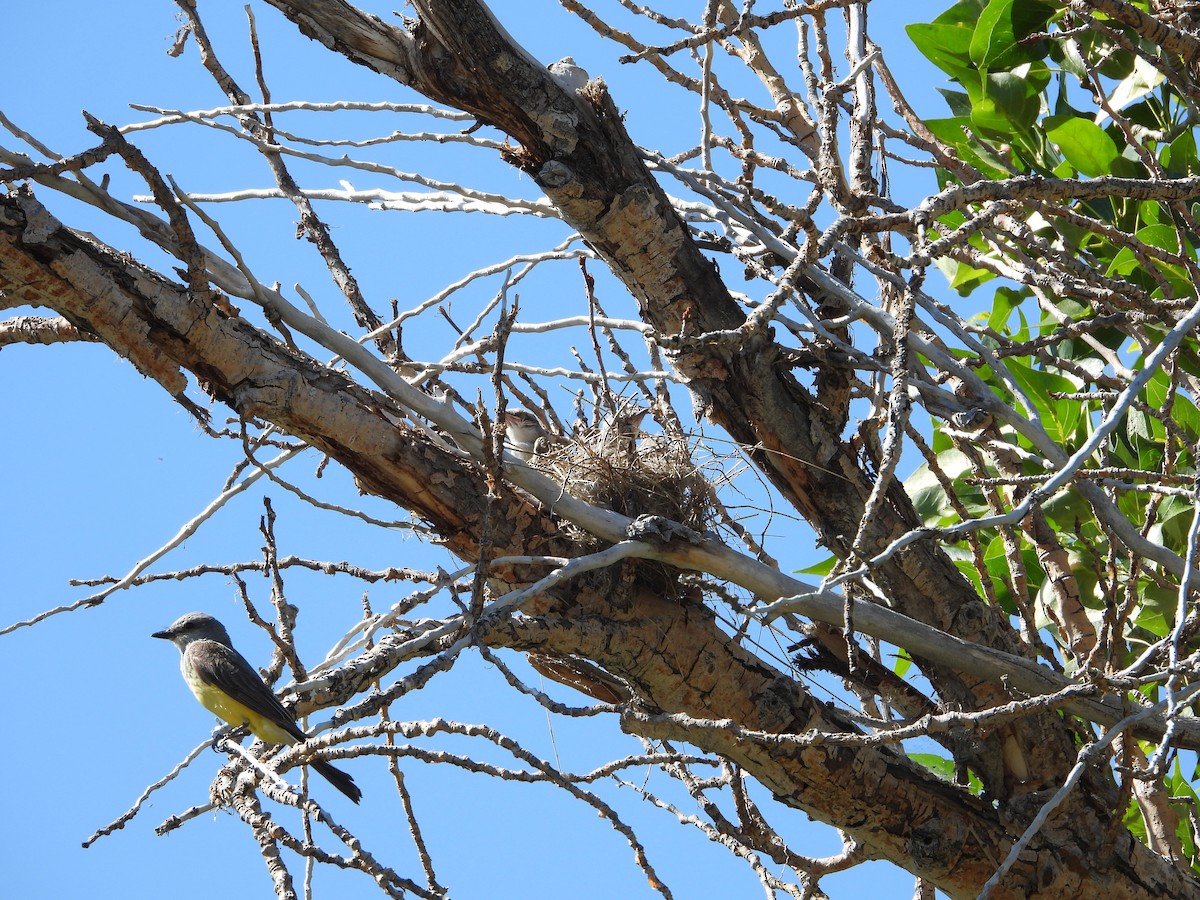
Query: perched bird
(229, 687)
(619, 435)
(522, 431)
(569, 75)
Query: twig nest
(632, 473)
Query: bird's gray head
(523, 426)
(523, 432)
(195, 626)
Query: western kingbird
(228, 686)
(522, 433)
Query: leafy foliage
(1080, 102)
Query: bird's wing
(226, 669)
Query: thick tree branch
(40, 330)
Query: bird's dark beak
(165, 635)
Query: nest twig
(616, 466)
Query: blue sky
(100, 468)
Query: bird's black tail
(339, 779)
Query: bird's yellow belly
(225, 707)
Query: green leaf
(1086, 146)
(1124, 167)
(1141, 81)
(964, 12)
(962, 278)
(1060, 417)
(1137, 425)
(1156, 612)
(1183, 411)
(1151, 212)
(1066, 508)
(1005, 102)
(995, 561)
(946, 46)
(1174, 521)
(824, 567)
(939, 765)
(1126, 263)
(969, 149)
(958, 101)
(1116, 63)
(1164, 237)
(926, 492)
(1005, 301)
(1067, 54)
(967, 568)
(1022, 332)
(944, 768)
(967, 277)
(1179, 157)
(996, 42)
